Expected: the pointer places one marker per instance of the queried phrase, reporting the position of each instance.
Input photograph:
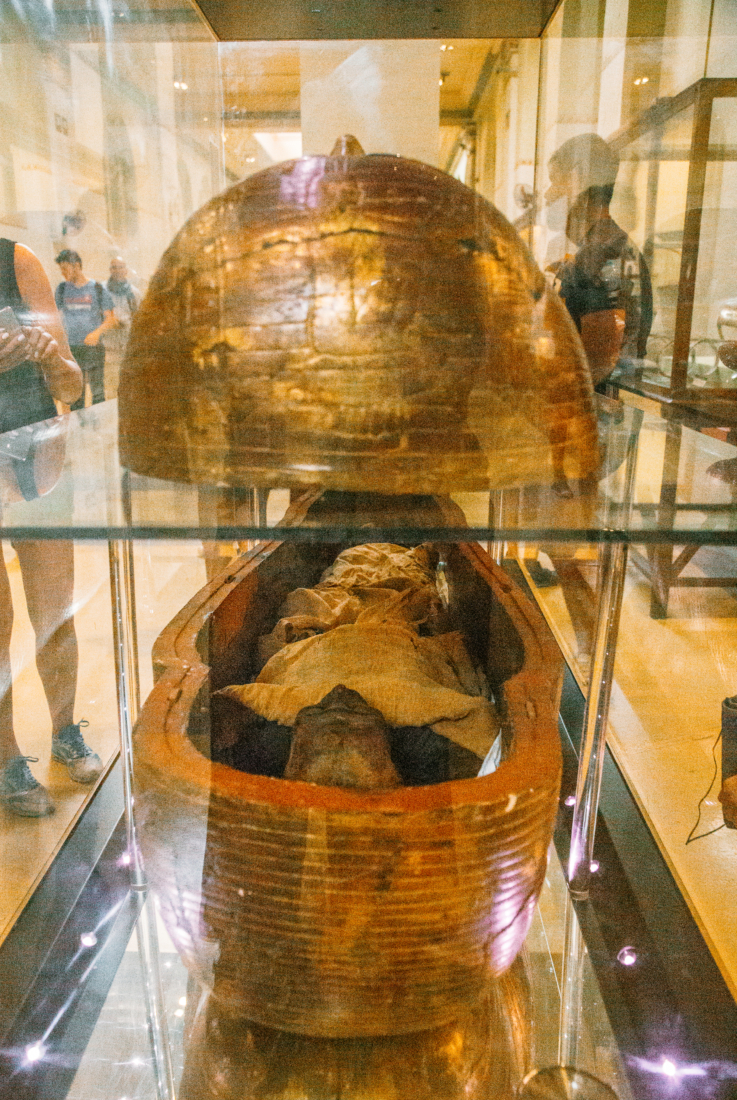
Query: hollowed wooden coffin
(326, 911)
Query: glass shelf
(674, 499)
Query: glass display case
(396, 650)
(688, 137)
(100, 1000)
(658, 90)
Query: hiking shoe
(69, 748)
(20, 792)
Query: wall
(505, 123)
(102, 152)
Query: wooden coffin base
(331, 912)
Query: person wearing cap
(606, 285)
(87, 312)
(126, 299)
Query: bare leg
(8, 744)
(47, 569)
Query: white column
(723, 44)
(385, 93)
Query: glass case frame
(597, 820)
(700, 96)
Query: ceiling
(261, 92)
(261, 80)
(274, 20)
(259, 20)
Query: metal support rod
(571, 990)
(125, 651)
(596, 715)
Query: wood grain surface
(482, 1055)
(327, 911)
(357, 322)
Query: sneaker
(725, 470)
(540, 576)
(68, 747)
(20, 792)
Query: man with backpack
(87, 311)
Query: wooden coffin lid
(356, 322)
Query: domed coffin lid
(357, 322)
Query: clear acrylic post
(120, 552)
(596, 716)
(571, 990)
(613, 570)
(496, 520)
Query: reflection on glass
(483, 1054)
(606, 285)
(716, 279)
(654, 174)
(511, 1031)
(36, 370)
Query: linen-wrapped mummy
(356, 322)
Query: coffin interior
(227, 641)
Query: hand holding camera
(13, 340)
(19, 343)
